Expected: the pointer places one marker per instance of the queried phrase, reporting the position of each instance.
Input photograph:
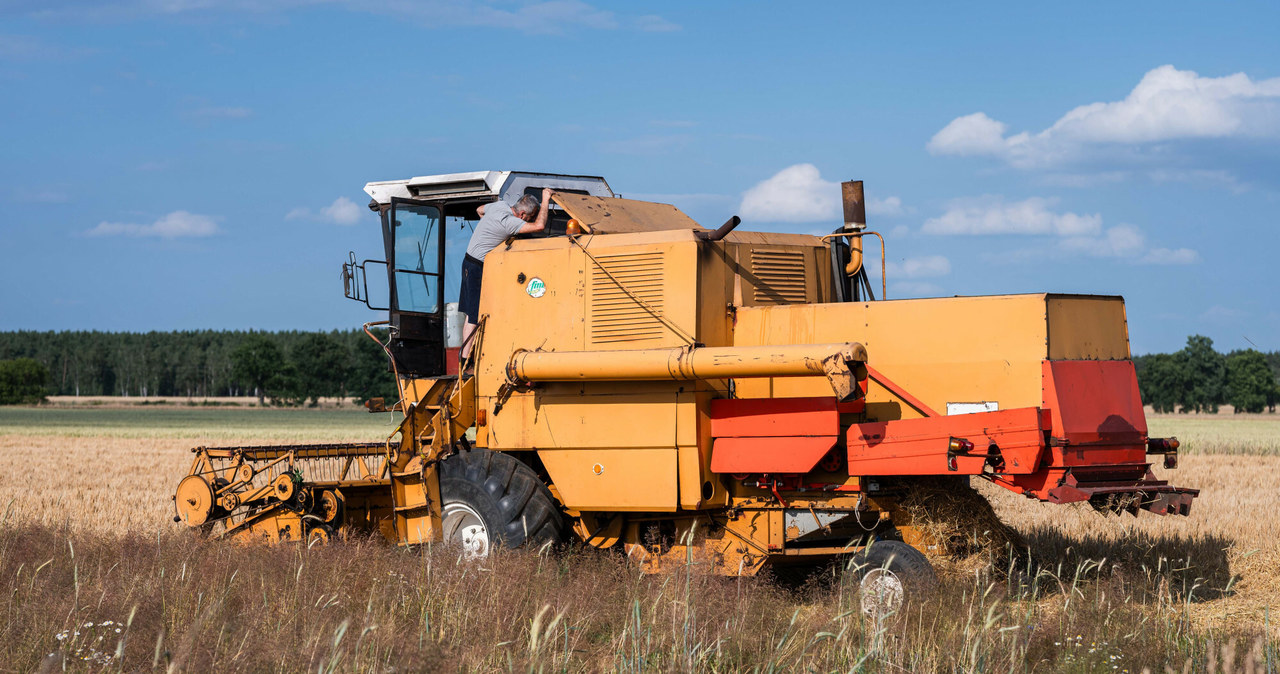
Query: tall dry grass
(85, 538)
(182, 604)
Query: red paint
(772, 435)
(1094, 401)
(773, 456)
(774, 417)
(919, 446)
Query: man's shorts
(469, 295)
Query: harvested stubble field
(96, 577)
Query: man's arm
(541, 223)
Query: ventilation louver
(780, 277)
(615, 315)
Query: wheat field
(87, 547)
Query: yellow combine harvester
(644, 383)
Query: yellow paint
(614, 479)
(954, 349)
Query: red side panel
(774, 417)
(919, 446)
(1095, 402)
(772, 435)
(774, 456)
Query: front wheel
(492, 499)
(890, 574)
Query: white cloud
(174, 225)
(655, 24)
(1168, 256)
(1119, 241)
(929, 266)
(1167, 105)
(992, 215)
(889, 206)
(799, 194)
(972, 134)
(342, 211)
(1072, 233)
(794, 194)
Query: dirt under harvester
(646, 384)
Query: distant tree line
(293, 368)
(1199, 379)
(286, 368)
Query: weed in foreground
(185, 604)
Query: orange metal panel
(1094, 401)
(774, 417)
(775, 456)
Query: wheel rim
(881, 592)
(464, 527)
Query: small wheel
(319, 535)
(889, 575)
(284, 487)
(194, 500)
(491, 498)
(328, 506)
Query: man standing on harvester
(498, 222)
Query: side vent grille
(780, 277)
(615, 316)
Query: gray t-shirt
(498, 224)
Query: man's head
(527, 208)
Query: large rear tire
(492, 499)
(889, 575)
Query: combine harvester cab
(735, 399)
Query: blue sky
(187, 164)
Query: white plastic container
(453, 321)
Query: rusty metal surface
(855, 208)
(622, 216)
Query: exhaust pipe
(722, 231)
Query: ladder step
(412, 473)
(411, 508)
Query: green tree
(257, 362)
(1162, 381)
(370, 375)
(322, 363)
(1206, 372)
(23, 380)
(1251, 385)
